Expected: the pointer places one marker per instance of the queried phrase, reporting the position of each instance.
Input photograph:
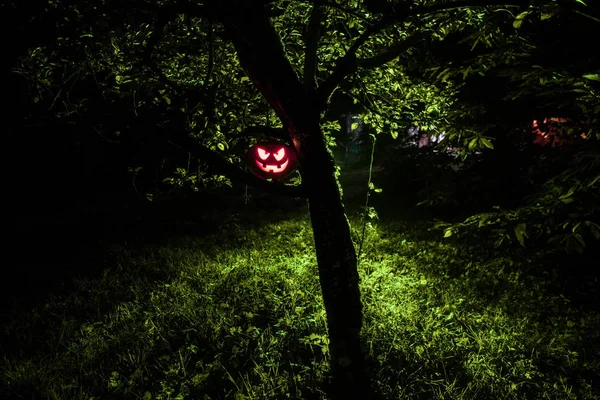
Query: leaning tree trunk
(263, 58)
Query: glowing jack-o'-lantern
(271, 159)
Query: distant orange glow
(552, 133)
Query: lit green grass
(239, 315)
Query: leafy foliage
(124, 72)
(562, 212)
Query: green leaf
(519, 19)
(473, 143)
(568, 194)
(594, 229)
(448, 232)
(466, 72)
(487, 143)
(521, 233)
(592, 77)
(221, 146)
(394, 134)
(592, 183)
(354, 126)
(372, 213)
(499, 241)
(574, 243)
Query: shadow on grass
(225, 317)
(47, 249)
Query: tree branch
(311, 43)
(209, 68)
(263, 57)
(147, 56)
(371, 108)
(347, 11)
(205, 94)
(278, 133)
(348, 63)
(218, 164)
(346, 66)
(391, 53)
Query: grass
(238, 314)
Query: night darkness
(300, 199)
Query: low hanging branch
(218, 164)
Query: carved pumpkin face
(271, 159)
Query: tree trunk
(338, 273)
(263, 58)
(339, 283)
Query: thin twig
(362, 239)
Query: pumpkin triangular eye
(279, 154)
(262, 153)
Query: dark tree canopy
(442, 64)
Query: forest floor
(221, 300)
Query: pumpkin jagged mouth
(272, 168)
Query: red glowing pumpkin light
(271, 159)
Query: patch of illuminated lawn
(239, 315)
